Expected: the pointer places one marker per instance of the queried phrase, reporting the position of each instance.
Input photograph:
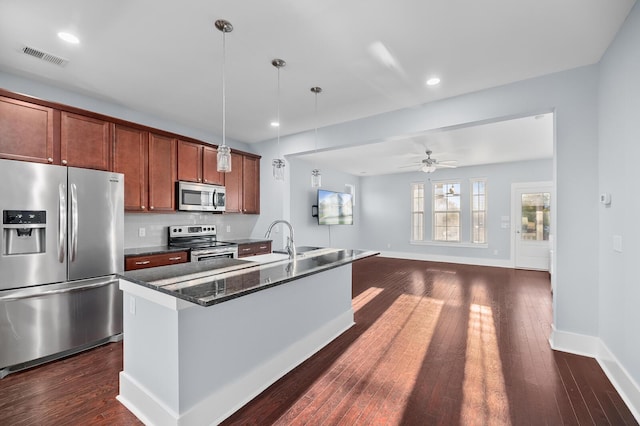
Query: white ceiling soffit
(519, 139)
(369, 56)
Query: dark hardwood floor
(433, 344)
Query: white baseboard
(478, 261)
(594, 347)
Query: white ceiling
(518, 139)
(164, 57)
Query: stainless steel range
(202, 241)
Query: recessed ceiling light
(275, 124)
(68, 37)
(433, 81)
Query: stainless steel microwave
(201, 197)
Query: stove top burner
(195, 237)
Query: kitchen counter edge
(270, 275)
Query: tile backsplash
(150, 229)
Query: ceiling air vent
(45, 56)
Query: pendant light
(224, 152)
(316, 177)
(278, 163)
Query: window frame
(413, 213)
(472, 212)
(434, 212)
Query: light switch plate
(617, 243)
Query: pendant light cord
(278, 113)
(224, 90)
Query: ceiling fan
(430, 165)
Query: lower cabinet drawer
(254, 249)
(149, 261)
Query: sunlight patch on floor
(484, 394)
(365, 297)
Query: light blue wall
(572, 96)
(386, 202)
(619, 172)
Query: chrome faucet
(291, 245)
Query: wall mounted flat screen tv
(334, 208)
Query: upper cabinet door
(85, 142)
(130, 158)
(250, 185)
(162, 172)
(210, 173)
(233, 184)
(26, 131)
(189, 161)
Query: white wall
(619, 174)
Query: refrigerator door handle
(74, 223)
(62, 220)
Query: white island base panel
(186, 364)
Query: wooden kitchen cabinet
(152, 260)
(250, 185)
(130, 147)
(162, 159)
(148, 161)
(85, 142)
(198, 163)
(26, 131)
(254, 249)
(189, 161)
(210, 173)
(243, 184)
(233, 184)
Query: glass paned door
(532, 212)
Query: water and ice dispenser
(23, 231)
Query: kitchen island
(202, 339)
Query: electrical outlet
(142, 232)
(132, 305)
(228, 228)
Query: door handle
(62, 221)
(74, 222)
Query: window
(417, 211)
(478, 211)
(446, 211)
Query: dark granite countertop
(216, 281)
(145, 251)
(247, 241)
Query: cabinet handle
(176, 258)
(246, 249)
(143, 262)
(64, 162)
(263, 247)
(50, 160)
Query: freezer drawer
(43, 323)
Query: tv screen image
(334, 208)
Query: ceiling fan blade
(410, 165)
(445, 166)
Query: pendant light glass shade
(278, 169)
(316, 176)
(224, 152)
(278, 163)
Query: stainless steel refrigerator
(62, 242)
